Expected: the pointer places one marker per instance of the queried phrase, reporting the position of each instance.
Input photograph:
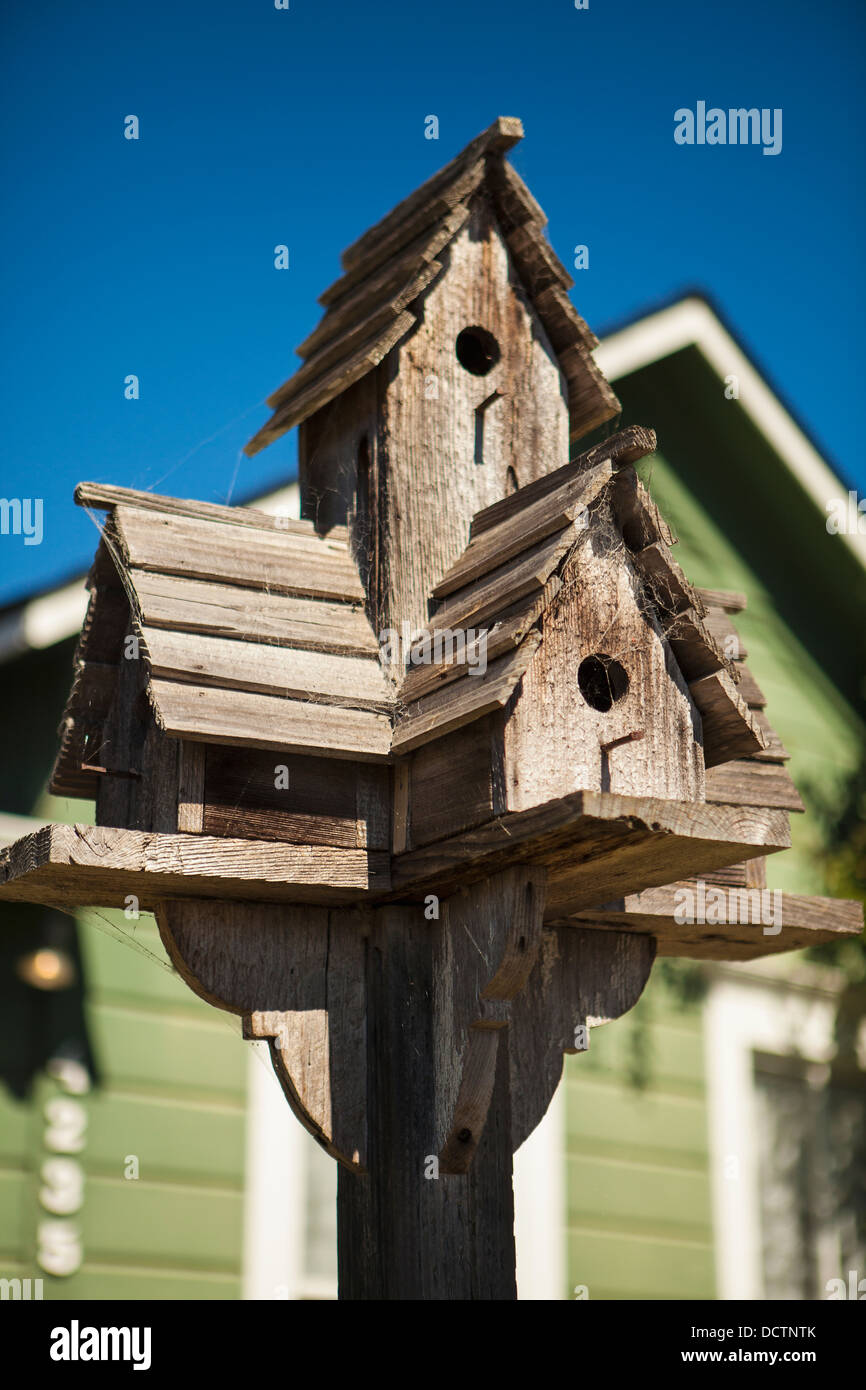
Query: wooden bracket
(296, 976)
(299, 976)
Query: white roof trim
(692, 322)
(57, 615)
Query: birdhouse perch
(415, 784)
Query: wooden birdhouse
(412, 783)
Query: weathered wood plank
(424, 249)
(103, 497)
(725, 599)
(277, 562)
(508, 632)
(670, 590)
(725, 634)
(274, 796)
(98, 866)
(592, 401)
(624, 447)
(696, 650)
(729, 730)
(537, 262)
(226, 610)
(637, 515)
(451, 787)
(756, 922)
(295, 975)
(597, 845)
(490, 941)
(499, 589)
(402, 1235)
(191, 787)
(329, 678)
(211, 714)
(335, 380)
(463, 701)
(393, 289)
(441, 191)
(749, 689)
(752, 783)
(515, 203)
(524, 529)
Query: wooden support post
(404, 1233)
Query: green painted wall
(639, 1216)
(172, 1089)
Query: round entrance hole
(602, 680)
(477, 351)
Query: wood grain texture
(322, 389)
(451, 784)
(226, 610)
(591, 842)
(499, 137)
(263, 668)
(191, 787)
(525, 528)
(728, 728)
(404, 439)
(97, 866)
(296, 977)
(463, 701)
(556, 742)
(753, 928)
(502, 587)
(251, 794)
(104, 497)
(750, 782)
(507, 632)
(214, 715)
(625, 447)
(580, 981)
(276, 561)
(390, 290)
(401, 1234)
(488, 947)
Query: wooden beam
(98, 866)
(756, 925)
(596, 845)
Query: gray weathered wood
(463, 701)
(98, 866)
(728, 728)
(749, 932)
(104, 497)
(524, 529)
(295, 975)
(325, 677)
(212, 714)
(227, 610)
(278, 562)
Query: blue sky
(261, 126)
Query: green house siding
(171, 1096)
(638, 1183)
(172, 1099)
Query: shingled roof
(378, 300)
(508, 578)
(251, 628)
(276, 652)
